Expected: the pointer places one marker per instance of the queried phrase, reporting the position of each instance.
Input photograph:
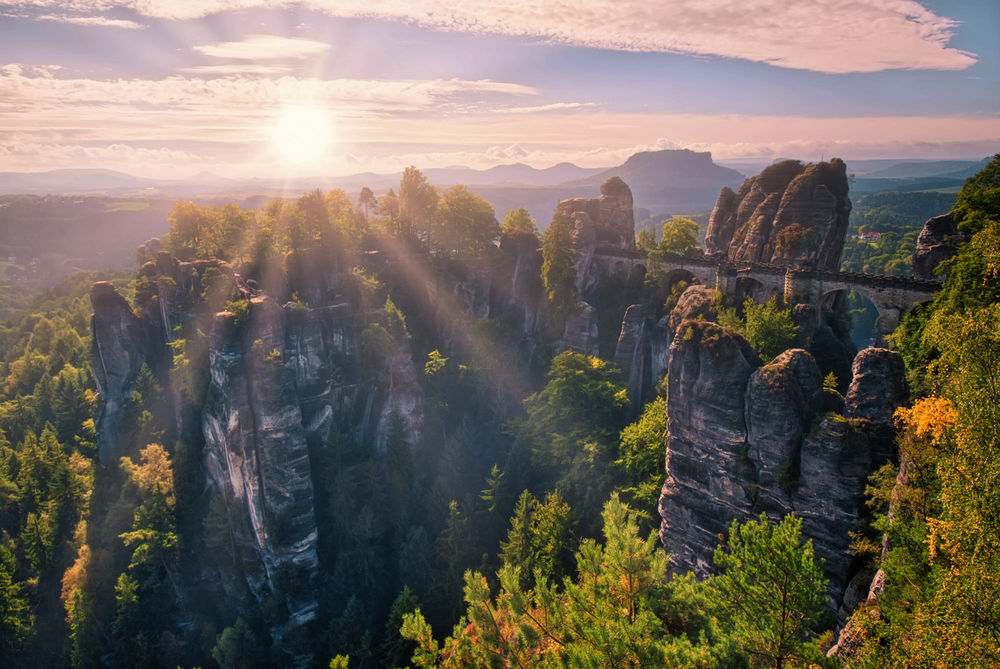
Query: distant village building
(869, 236)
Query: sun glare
(302, 134)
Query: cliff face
(117, 351)
(607, 221)
(745, 437)
(281, 380)
(938, 241)
(789, 214)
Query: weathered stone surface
(746, 438)
(708, 470)
(790, 214)
(694, 302)
(878, 387)
(632, 356)
(580, 333)
(938, 241)
(258, 460)
(279, 384)
(118, 348)
(606, 221)
(834, 464)
(783, 397)
(519, 286)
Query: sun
(302, 134)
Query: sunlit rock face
(746, 437)
(604, 222)
(790, 214)
(281, 382)
(938, 241)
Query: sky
(174, 88)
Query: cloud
(831, 36)
(36, 88)
(265, 47)
(91, 21)
(236, 69)
(555, 106)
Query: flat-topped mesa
(603, 221)
(790, 214)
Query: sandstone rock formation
(790, 214)
(938, 241)
(580, 333)
(746, 437)
(708, 471)
(280, 381)
(633, 357)
(117, 352)
(606, 221)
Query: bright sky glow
(171, 88)
(302, 134)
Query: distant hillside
(671, 181)
(931, 168)
(60, 182)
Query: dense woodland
(524, 535)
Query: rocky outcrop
(878, 386)
(257, 458)
(606, 221)
(633, 357)
(580, 333)
(708, 471)
(603, 221)
(695, 302)
(783, 397)
(118, 347)
(938, 241)
(745, 438)
(790, 214)
(282, 381)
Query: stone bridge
(892, 296)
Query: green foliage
(518, 222)
(939, 607)
(417, 203)
(237, 647)
(559, 267)
(978, 203)
(640, 461)
(435, 363)
(771, 589)
(15, 613)
(615, 613)
(899, 218)
(538, 539)
(679, 235)
(464, 223)
(396, 651)
(767, 327)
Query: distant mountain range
(673, 181)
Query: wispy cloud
(831, 36)
(236, 69)
(555, 106)
(91, 21)
(265, 47)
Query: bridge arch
(748, 286)
(864, 313)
